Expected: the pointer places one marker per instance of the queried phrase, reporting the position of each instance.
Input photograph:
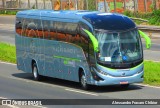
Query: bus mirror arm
(147, 39)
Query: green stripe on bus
(148, 40)
(66, 58)
(93, 39)
(136, 66)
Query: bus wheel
(125, 86)
(83, 81)
(35, 72)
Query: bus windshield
(122, 47)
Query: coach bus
(91, 48)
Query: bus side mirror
(147, 39)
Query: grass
(7, 53)
(151, 69)
(152, 73)
(7, 12)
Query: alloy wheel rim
(35, 72)
(83, 81)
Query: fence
(101, 5)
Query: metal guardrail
(149, 28)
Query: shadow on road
(74, 85)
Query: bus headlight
(140, 71)
(102, 72)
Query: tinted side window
(83, 42)
(61, 35)
(46, 29)
(84, 26)
(32, 28)
(24, 27)
(39, 29)
(70, 28)
(53, 32)
(19, 25)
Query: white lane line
(7, 63)
(148, 86)
(81, 92)
(35, 82)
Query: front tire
(36, 75)
(83, 81)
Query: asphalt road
(15, 84)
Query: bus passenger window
(68, 38)
(40, 29)
(53, 34)
(61, 36)
(18, 26)
(46, 29)
(25, 25)
(31, 29)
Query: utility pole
(44, 4)
(16, 4)
(61, 4)
(19, 3)
(105, 4)
(145, 5)
(124, 5)
(76, 4)
(29, 6)
(36, 4)
(3, 3)
(69, 4)
(52, 4)
(114, 5)
(87, 4)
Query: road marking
(81, 92)
(148, 86)
(35, 82)
(7, 63)
(66, 88)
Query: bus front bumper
(111, 80)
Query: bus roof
(56, 14)
(105, 21)
(110, 21)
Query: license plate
(124, 82)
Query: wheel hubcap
(83, 81)
(35, 72)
